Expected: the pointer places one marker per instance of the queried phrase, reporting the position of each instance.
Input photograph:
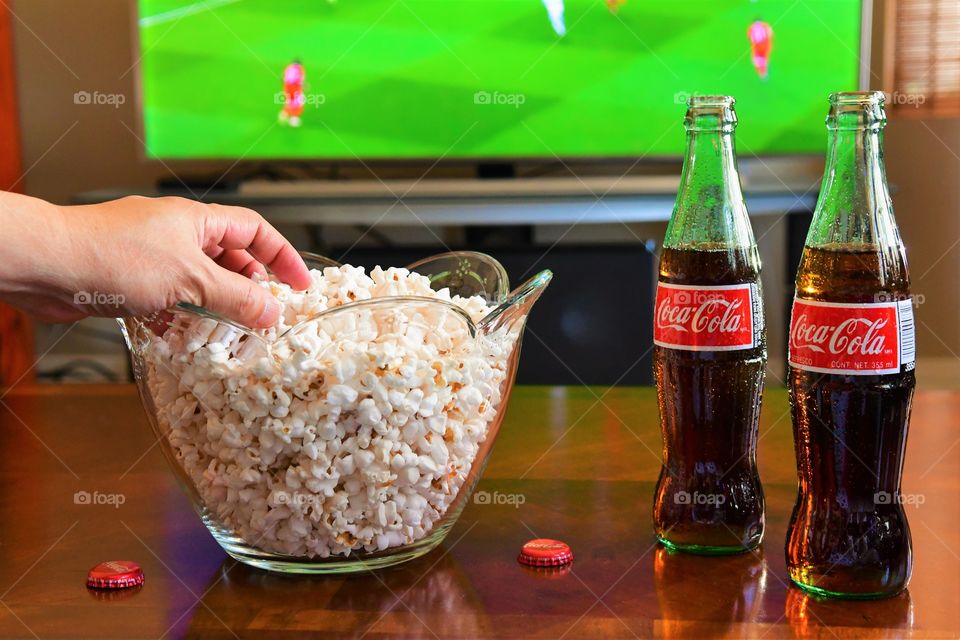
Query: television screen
(484, 79)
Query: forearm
(63, 263)
(35, 254)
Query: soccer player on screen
(614, 5)
(293, 96)
(555, 13)
(760, 35)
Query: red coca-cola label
(858, 339)
(701, 318)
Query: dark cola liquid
(848, 534)
(708, 498)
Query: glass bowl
(351, 440)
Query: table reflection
(428, 597)
(809, 615)
(703, 596)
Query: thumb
(241, 300)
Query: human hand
(137, 256)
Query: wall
(63, 47)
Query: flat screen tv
(484, 79)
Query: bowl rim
(318, 261)
(503, 280)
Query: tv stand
(472, 202)
(198, 184)
(496, 170)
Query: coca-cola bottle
(710, 349)
(851, 371)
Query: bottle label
(702, 318)
(852, 339)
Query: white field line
(190, 9)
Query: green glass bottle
(852, 359)
(710, 349)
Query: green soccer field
(483, 78)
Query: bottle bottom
(710, 529)
(797, 577)
(875, 572)
(708, 550)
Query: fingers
(241, 262)
(240, 299)
(236, 228)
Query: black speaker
(593, 325)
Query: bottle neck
(854, 207)
(709, 211)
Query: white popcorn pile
(354, 432)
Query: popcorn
(350, 433)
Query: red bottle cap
(115, 574)
(543, 552)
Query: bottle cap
(544, 552)
(115, 574)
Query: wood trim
(10, 158)
(16, 330)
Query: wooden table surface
(583, 462)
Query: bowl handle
(517, 305)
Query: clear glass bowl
(277, 491)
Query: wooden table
(583, 462)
